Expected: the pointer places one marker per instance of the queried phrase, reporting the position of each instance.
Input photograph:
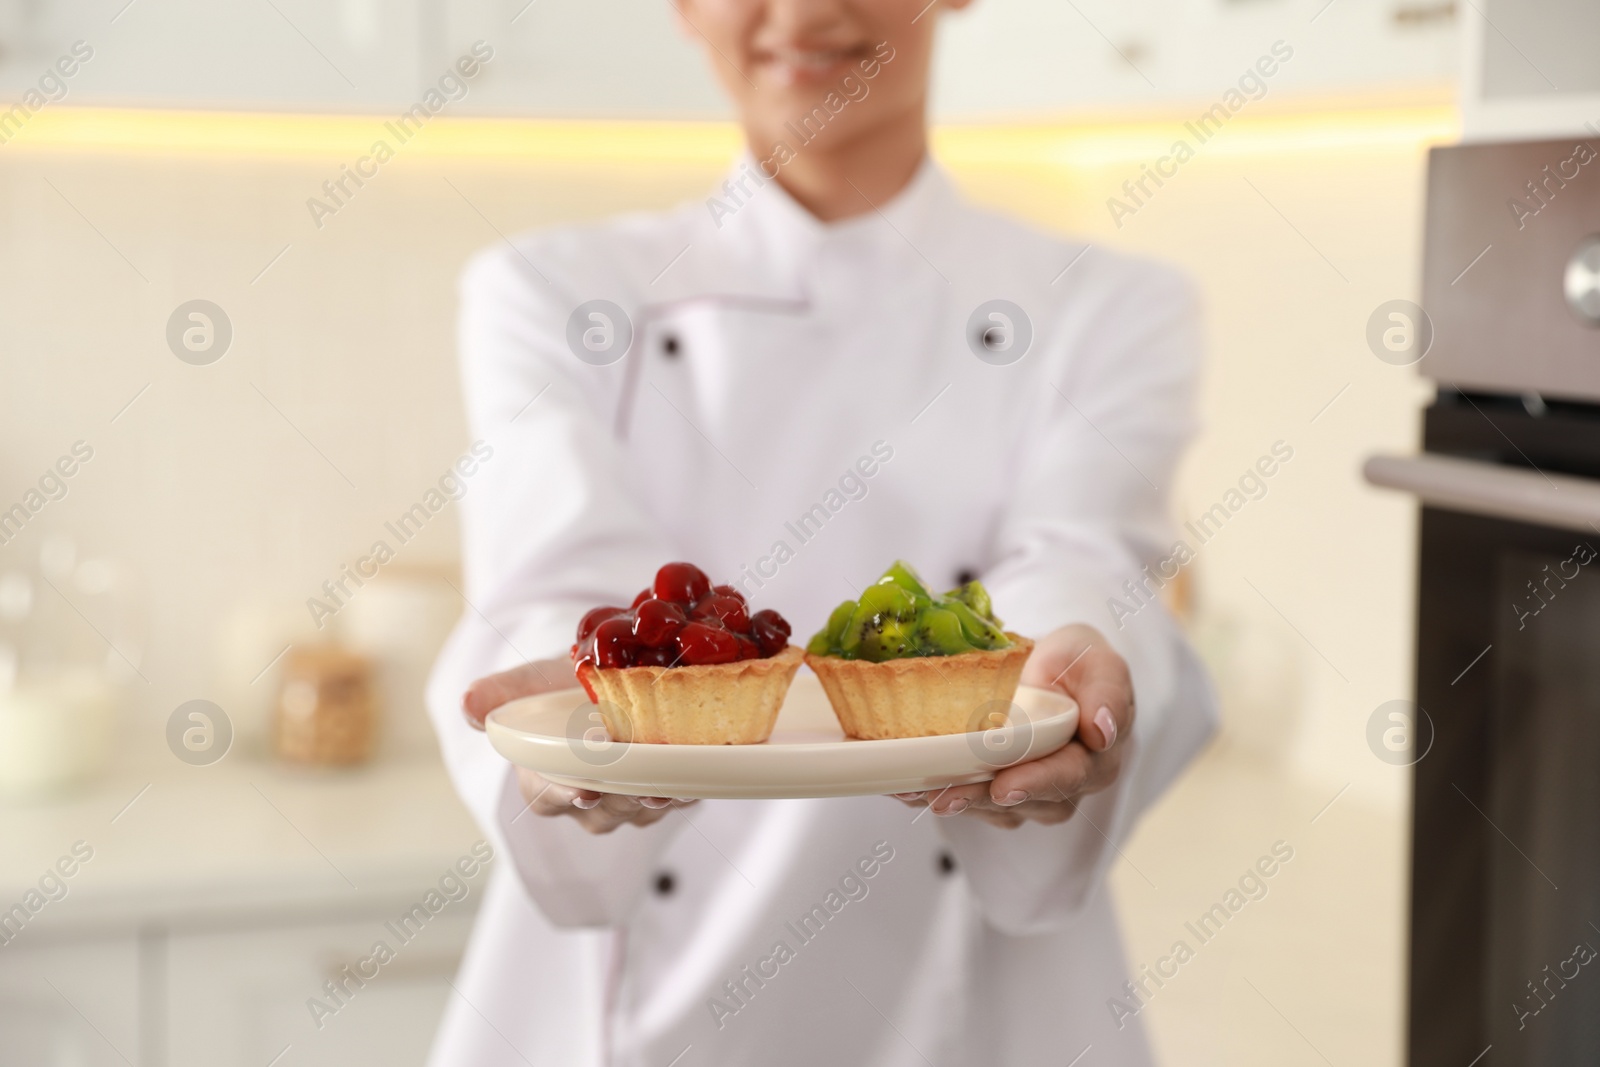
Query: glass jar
(326, 713)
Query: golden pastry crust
(713, 704)
(921, 696)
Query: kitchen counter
(217, 904)
(234, 889)
(179, 845)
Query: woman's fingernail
(1013, 798)
(1108, 725)
(910, 796)
(956, 807)
(656, 803)
(586, 803)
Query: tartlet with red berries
(686, 664)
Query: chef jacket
(798, 404)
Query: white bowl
(55, 733)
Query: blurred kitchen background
(174, 563)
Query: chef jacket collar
(769, 241)
(781, 219)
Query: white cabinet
(610, 58)
(232, 996)
(341, 54)
(1529, 70)
(599, 57)
(239, 997)
(208, 917)
(1043, 57)
(72, 1004)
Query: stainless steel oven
(1505, 909)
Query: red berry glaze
(681, 620)
(666, 656)
(584, 670)
(699, 645)
(657, 622)
(770, 630)
(730, 612)
(614, 643)
(594, 617)
(682, 583)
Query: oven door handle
(1499, 492)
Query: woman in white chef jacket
(819, 332)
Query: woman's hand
(1078, 661)
(599, 813)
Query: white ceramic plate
(560, 736)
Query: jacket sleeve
(548, 531)
(1089, 514)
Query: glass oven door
(1505, 938)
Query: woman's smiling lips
(807, 65)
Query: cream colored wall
(238, 488)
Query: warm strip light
(1086, 143)
(1106, 143)
(257, 134)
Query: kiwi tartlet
(903, 661)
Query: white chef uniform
(800, 406)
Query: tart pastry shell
(714, 704)
(922, 696)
